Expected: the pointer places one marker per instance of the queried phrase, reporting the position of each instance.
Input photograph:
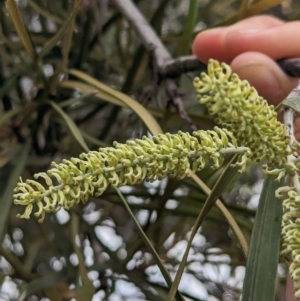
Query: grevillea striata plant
(74, 180)
(248, 126)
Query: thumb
(265, 75)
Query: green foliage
(262, 262)
(74, 76)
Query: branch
(291, 66)
(289, 120)
(148, 36)
(163, 61)
(172, 91)
(167, 66)
(175, 67)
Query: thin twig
(289, 114)
(289, 120)
(148, 36)
(163, 63)
(291, 66)
(172, 91)
(175, 67)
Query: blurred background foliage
(94, 252)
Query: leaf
(72, 84)
(8, 152)
(254, 9)
(262, 263)
(243, 9)
(218, 189)
(71, 125)
(232, 223)
(60, 291)
(223, 181)
(188, 31)
(40, 284)
(145, 116)
(6, 198)
(87, 89)
(9, 114)
(92, 139)
(292, 103)
(21, 29)
(2, 278)
(53, 41)
(45, 13)
(150, 247)
(73, 100)
(52, 294)
(8, 84)
(86, 290)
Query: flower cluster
(237, 106)
(291, 232)
(74, 180)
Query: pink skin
(251, 47)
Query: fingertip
(209, 44)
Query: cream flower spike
(73, 181)
(237, 107)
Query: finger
(265, 75)
(276, 42)
(212, 43)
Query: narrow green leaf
(45, 13)
(71, 125)
(77, 85)
(6, 198)
(80, 98)
(2, 278)
(9, 152)
(150, 247)
(66, 47)
(243, 9)
(9, 114)
(52, 294)
(262, 263)
(223, 181)
(16, 264)
(8, 84)
(40, 284)
(21, 29)
(142, 112)
(86, 291)
(188, 31)
(292, 103)
(53, 41)
(253, 10)
(231, 221)
(92, 139)
(218, 189)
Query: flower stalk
(238, 107)
(73, 181)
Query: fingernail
(262, 78)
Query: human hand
(251, 47)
